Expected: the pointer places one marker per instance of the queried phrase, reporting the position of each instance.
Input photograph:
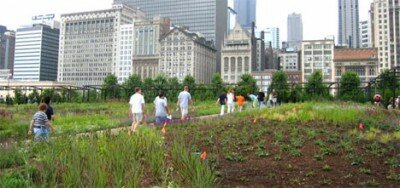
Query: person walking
(261, 98)
(161, 108)
(273, 97)
(240, 102)
(184, 99)
(49, 111)
(136, 110)
(254, 100)
(222, 101)
(40, 125)
(230, 97)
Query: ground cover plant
(72, 118)
(304, 144)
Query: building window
(233, 61)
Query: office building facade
(294, 31)
(90, 44)
(365, 34)
(385, 18)
(363, 61)
(289, 61)
(208, 17)
(7, 48)
(236, 55)
(349, 33)
(317, 55)
(246, 12)
(124, 66)
(36, 53)
(146, 51)
(272, 37)
(185, 53)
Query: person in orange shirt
(240, 102)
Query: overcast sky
(319, 16)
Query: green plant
(364, 170)
(326, 168)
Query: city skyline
(279, 10)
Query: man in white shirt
(230, 101)
(160, 104)
(136, 109)
(184, 99)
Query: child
(240, 102)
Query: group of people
(228, 99)
(42, 120)
(162, 112)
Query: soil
(298, 171)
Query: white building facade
(124, 66)
(184, 53)
(317, 55)
(385, 18)
(146, 51)
(365, 34)
(348, 27)
(289, 61)
(90, 44)
(272, 36)
(236, 55)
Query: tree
(387, 84)
(34, 96)
(350, 87)
(315, 86)
(246, 85)
(217, 84)
(130, 84)
(110, 88)
(19, 98)
(281, 86)
(55, 96)
(173, 89)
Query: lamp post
(8, 85)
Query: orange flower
(255, 121)
(203, 156)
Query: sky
(319, 16)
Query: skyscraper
(90, 44)
(36, 53)
(246, 12)
(294, 31)
(208, 17)
(385, 18)
(349, 33)
(365, 34)
(7, 47)
(272, 36)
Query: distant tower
(349, 33)
(272, 35)
(294, 31)
(246, 12)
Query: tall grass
(191, 170)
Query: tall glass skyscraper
(349, 33)
(294, 31)
(246, 12)
(208, 17)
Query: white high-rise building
(90, 44)
(272, 36)
(317, 55)
(349, 34)
(124, 66)
(294, 31)
(385, 18)
(47, 19)
(184, 53)
(36, 53)
(365, 34)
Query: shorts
(161, 120)
(184, 110)
(273, 100)
(41, 133)
(137, 117)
